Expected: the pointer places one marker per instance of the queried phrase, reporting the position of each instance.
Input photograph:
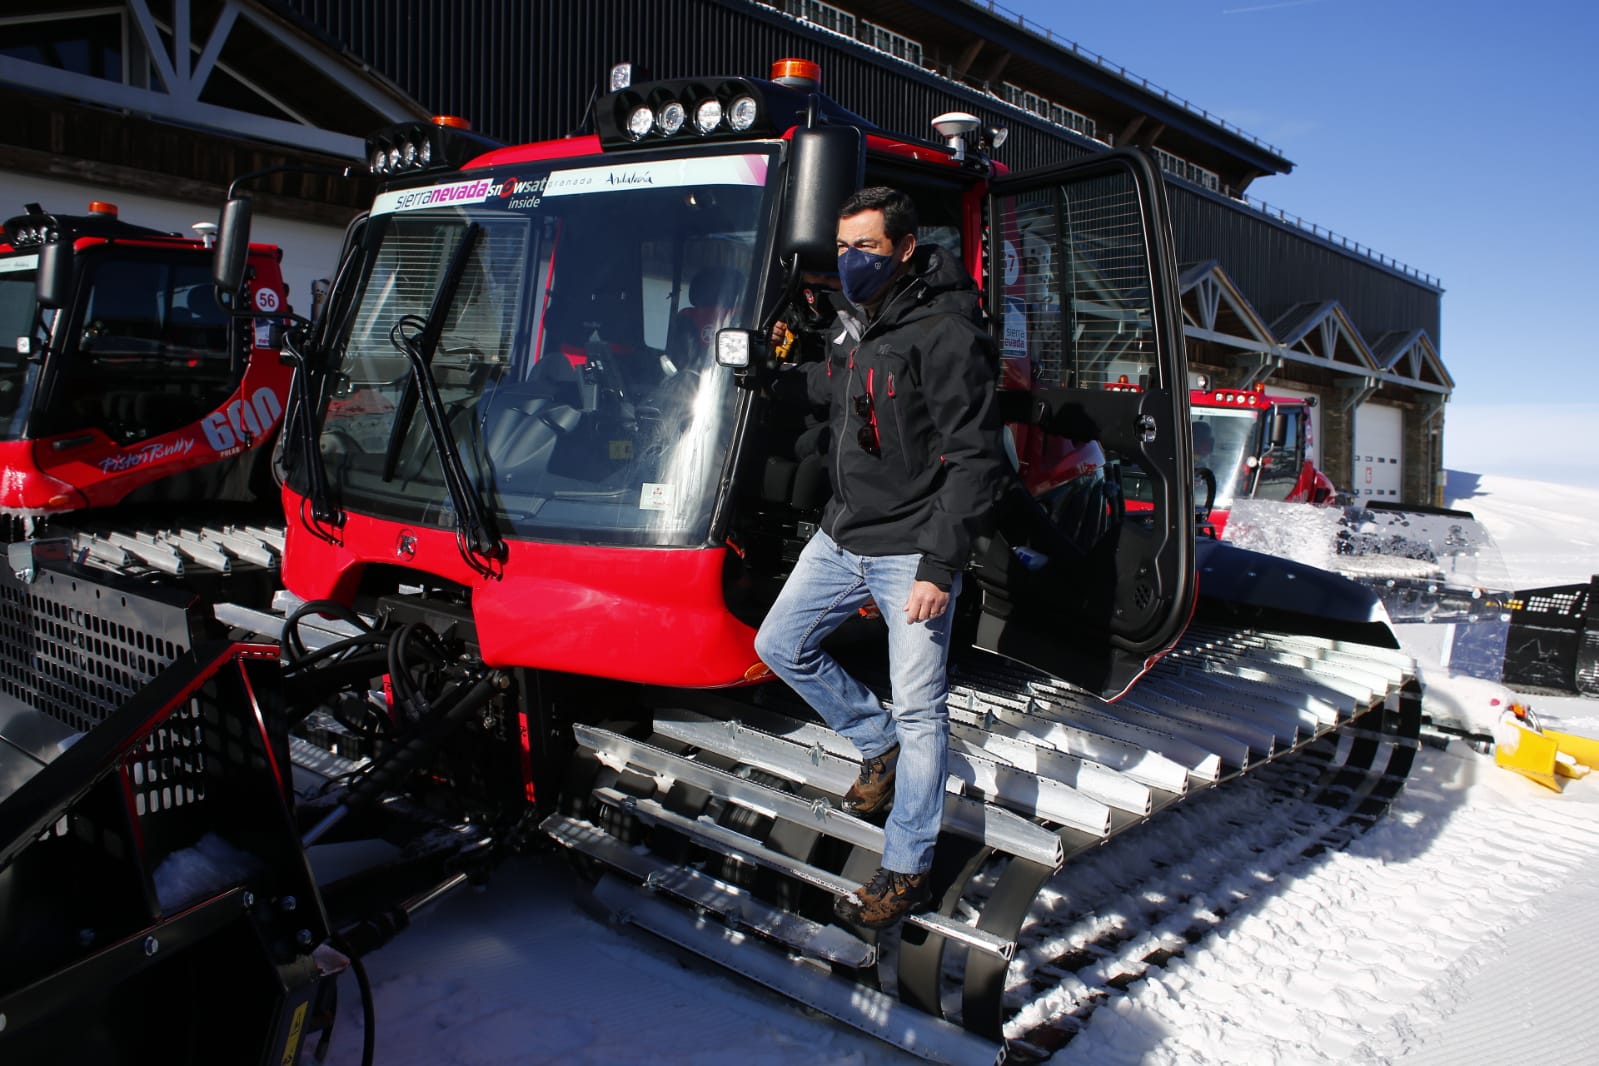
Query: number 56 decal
(242, 421)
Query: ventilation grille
(76, 650)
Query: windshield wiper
(426, 343)
(472, 515)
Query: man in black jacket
(916, 463)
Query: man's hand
(927, 601)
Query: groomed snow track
(721, 831)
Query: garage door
(1379, 443)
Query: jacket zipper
(838, 446)
(899, 428)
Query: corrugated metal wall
(524, 69)
(1277, 265)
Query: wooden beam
(968, 56)
(996, 68)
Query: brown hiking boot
(884, 900)
(874, 788)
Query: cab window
(152, 350)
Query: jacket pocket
(896, 410)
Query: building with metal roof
(168, 100)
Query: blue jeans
(828, 585)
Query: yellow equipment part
(1584, 753)
(1545, 756)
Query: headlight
(708, 115)
(742, 115)
(733, 348)
(424, 153)
(394, 158)
(380, 160)
(671, 117)
(408, 153)
(639, 122)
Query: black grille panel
(76, 648)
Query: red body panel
(651, 615)
(571, 148)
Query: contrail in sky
(1267, 7)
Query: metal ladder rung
(1036, 796)
(1200, 763)
(993, 826)
(731, 904)
(738, 845)
(1094, 780)
(620, 752)
(1264, 724)
(875, 1013)
(1017, 720)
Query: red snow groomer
(1249, 444)
(537, 503)
(121, 377)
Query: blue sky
(1461, 138)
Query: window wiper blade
(426, 342)
(475, 525)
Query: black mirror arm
(300, 432)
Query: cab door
(1089, 574)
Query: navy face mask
(863, 274)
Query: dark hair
(899, 213)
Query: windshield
(574, 361)
(17, 320)
(1223, 442)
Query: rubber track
(1334, 787)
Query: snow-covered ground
(1461, 929)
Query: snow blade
(1425, 564)
(1429, 564)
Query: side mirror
(55, 274)
(233, 245)
(1279, 430)
(826, 164)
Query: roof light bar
(38, 226)
(444, 142)
(646, 114)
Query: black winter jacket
(931, 367)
